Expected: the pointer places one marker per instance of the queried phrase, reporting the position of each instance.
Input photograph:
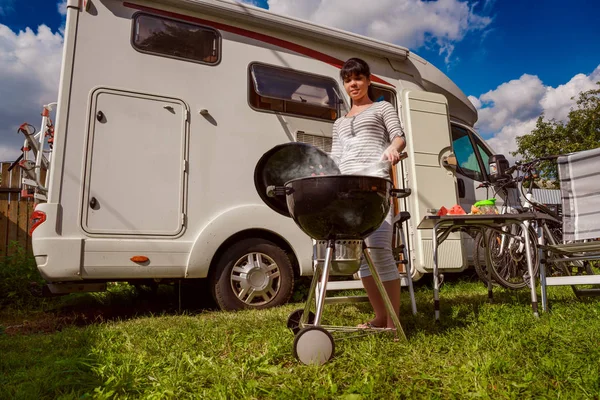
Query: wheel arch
(245, 222)
(258, 234)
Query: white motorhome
(164, 109)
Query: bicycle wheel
(509, 259)
(479, 262)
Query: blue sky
(514, 58)
(553, 39)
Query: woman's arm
(393, 126)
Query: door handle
(461, 188)
(93, 203)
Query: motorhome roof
(431, 78)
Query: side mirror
(498, 165)
(449, 162)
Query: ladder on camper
(36, 155)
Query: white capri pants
(383, 258)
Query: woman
(371, 132)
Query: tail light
(37, 218)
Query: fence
(15, 211)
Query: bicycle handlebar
(523, 164)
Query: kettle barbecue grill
(302, 182)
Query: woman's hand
(391, 154)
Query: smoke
(380, 169)
(298, 161)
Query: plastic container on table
(484, 207)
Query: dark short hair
(355, 67)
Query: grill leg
(324, 279)
(383, 293)
(311, 295)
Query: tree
(580, 132)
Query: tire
(314, 346)
(252, 274)
(481, 267)
(510, 268)
(293, 322)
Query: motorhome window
(157, 35)
(485, 157)
(381, 93)
(293, 92)
(468, 164)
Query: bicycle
(505, 252)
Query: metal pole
(407, 267)
(488, 264)
(540, 234)
(436, 282)
(324, 279)
(386, 299)
(534, 303)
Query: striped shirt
(359, 141)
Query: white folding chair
(579, 175)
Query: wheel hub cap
(258, 278)
(255, 279)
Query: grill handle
(274, 191)
(400, 193)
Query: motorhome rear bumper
(58, 258)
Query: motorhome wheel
(252, 273)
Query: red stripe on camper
(253, 35)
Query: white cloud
(512, 108)
(504, 142)
(29, 75)
(409, 23)
(517, 100)
(488, 5)
(62, 7)
(557, 102)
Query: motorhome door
(427, 127)
(135, 164)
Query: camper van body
(152, 170)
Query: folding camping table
(443, 226)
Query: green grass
(479, 350)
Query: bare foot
(372, 324)
(390, 324)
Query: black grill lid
(289, 161)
